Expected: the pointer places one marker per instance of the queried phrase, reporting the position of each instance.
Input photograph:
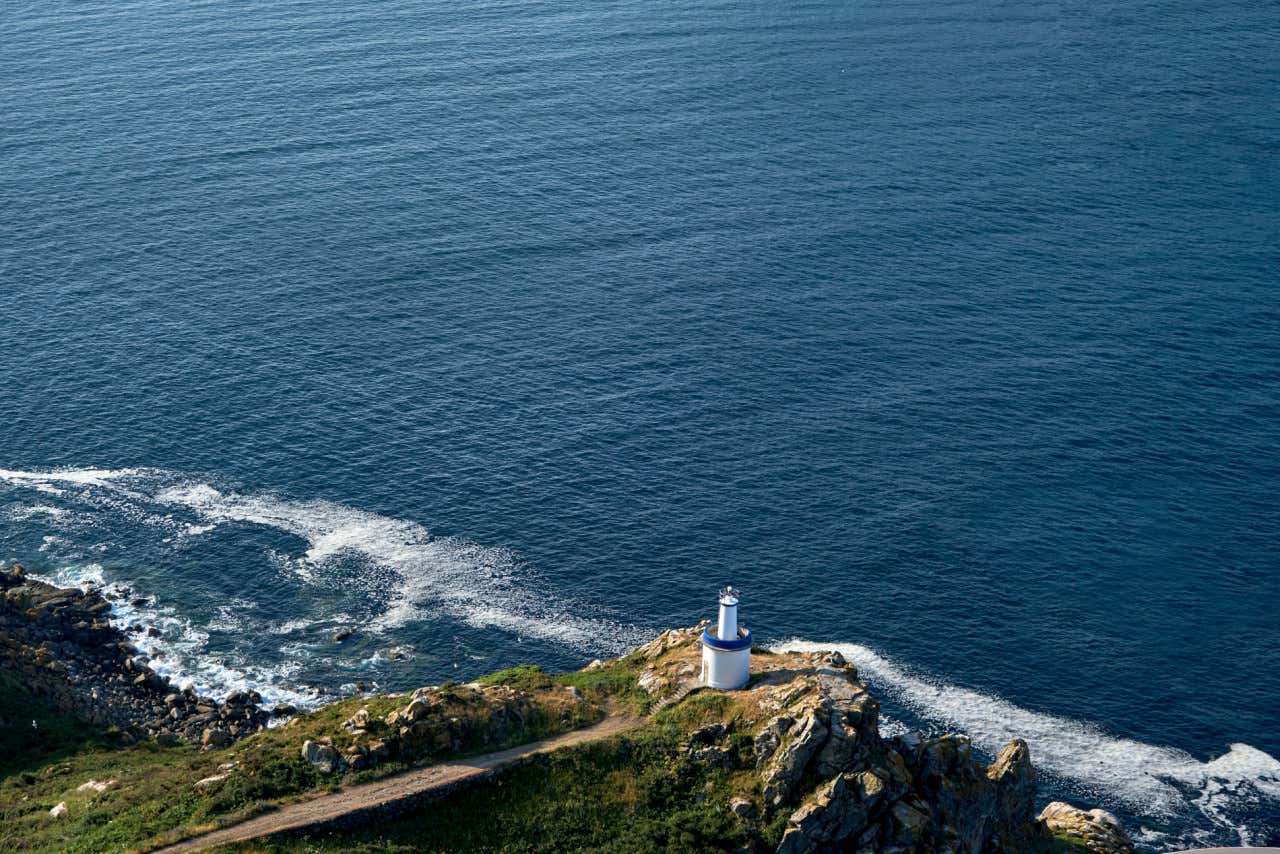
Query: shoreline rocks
(811, 729)
(1098, 830)
(805, 732)
(906, 794)
(62, 645)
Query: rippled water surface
(507, 332)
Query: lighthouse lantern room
(726, 647)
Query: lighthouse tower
(726, 648)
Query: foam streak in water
(478, 584)
(78, 477)
(482, 586)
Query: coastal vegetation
(794, 762)
(148, 793)
(638, 792)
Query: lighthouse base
(726, 664)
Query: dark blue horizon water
(946, 331)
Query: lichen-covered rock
(418, 708)
(652, 682)
(769, 738)
(357, 723)
(214, 738)
(1098, 830)
(320, 756)
(821, 749)
(742, 807)
(669, 640)
(784, 771)
(209, 782)
(438, 719)
(835, 815)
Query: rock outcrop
(62, 644)
(908, 794)
(442, 719)
(797, 754)
(1097, 830)
(814, 737)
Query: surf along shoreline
(64, 646)
(794, 762)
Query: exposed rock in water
(61, 643)
(1098, 830)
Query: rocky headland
(794, 762)
(816, 748)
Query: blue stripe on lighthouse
(743, 641)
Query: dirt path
(380, 793)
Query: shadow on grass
(34, 733)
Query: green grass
(615, 682)
(156, 798)
(155, 792)
(634, 793)
(525, 677)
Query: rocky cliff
(821, 761)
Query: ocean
(510, 332)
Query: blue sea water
(509, 332)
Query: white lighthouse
(726, 648)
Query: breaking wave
(178, 651)
(1153, 782)
(353, 559)
(481, 585)
(413, 574)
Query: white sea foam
(51, 541)
(84, 477)
(413, 572)
(481, 585)
(290, 626)
(33, 511)
(180, 653)
(1149, 779)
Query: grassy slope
(630, 793)
(156, 796)
(1062, 845)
